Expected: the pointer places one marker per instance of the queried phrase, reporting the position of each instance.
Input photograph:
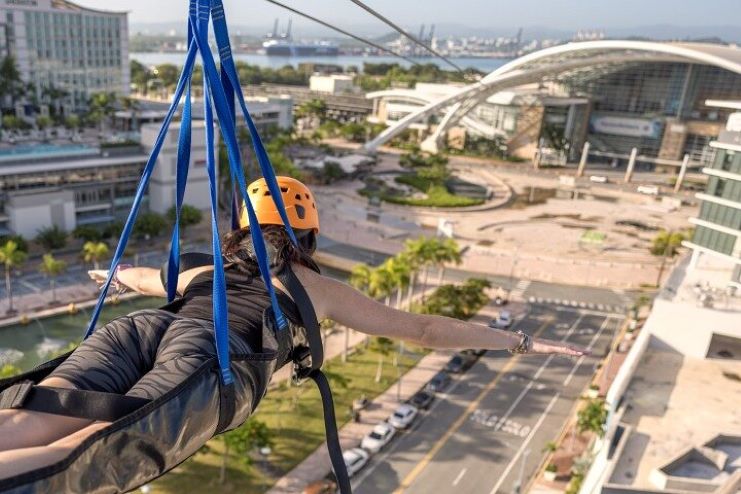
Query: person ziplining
(145, 391)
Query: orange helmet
(297, 198)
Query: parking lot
(487, 430)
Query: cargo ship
(282, 45)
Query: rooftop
(676, 405)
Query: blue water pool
(45, 150)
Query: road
(494, 421)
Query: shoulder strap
(92, 405)
(308, 318)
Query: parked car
(403, 416)
(476, 352)
(503, 320)
(422, 400)
(438, 382)
(379, 437)
(355, 460)
(459, 363)
(501, 297)
(651, 190)
(600, 179)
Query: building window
(727, 162)
(719, 188)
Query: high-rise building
(718, 223)
(66, 51)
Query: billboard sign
(625, 126)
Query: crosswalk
(519, 290)
(619, 309)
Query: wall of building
(163, 181)
(29, 212)
(524, 141)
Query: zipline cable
(342, 31)
(404, 33)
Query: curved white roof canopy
(563, 59)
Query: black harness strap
(308, 317)
(316, 348)
(93, 405)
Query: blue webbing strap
(183, 163)
(221, 34)
(146, 174)
(220, 307)
(228, 133)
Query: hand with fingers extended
(101, 275)
(543, 346)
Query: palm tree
(11, 257)
(421, 251)
(360, 276)
(401, 273)
(131, 105)
(446, 251)
(93, 252)
(382, 283)
(52, 268)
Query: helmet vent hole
(307, 196)
(284, 189)
(267, 193)
(297, 197)
(300, 211)
(313, 206)
(254, 191)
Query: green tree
(100, 108)
(43, 122)
(354, 132)
(131, 105)
(140, 76)
(9, 370)
(52, 268)
(72, 122)
(592, 417)
(242, 440)
(87, 233)
(12, 258)
(313, 108)
(667, 243)
(189, 216)
(382, 283)
(94, 252)
(11, 122)
(149, 225)
(11, 85)
(445, 251)
(168, 74)
(52, 238)
(20, 242)
(360, 276)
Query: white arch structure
(550, 62)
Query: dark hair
(238, 250)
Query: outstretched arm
(342, 303)
(147, 281)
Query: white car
(355, 460)
(651, 190)
(379, 437)
(503, 320)
(403, 416)
(600, 179)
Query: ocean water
(485, 65)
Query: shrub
(52, 238)
(20, 242)
(87, 233)
(189, 215)
(149, 225)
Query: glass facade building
(66, 51)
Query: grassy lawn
(437, 195)
(294, 415)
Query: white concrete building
(332, 83)
(57, 43)
(79, 185)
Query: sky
(557, 14)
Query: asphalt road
(492, 424)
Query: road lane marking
(411, 476)
(589, 347)
(460, 476)
(525, 443)
(535, 377)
